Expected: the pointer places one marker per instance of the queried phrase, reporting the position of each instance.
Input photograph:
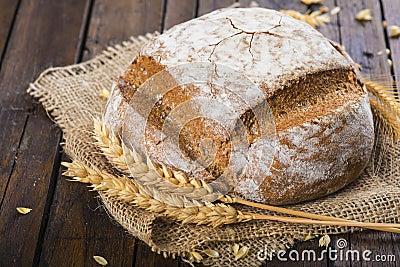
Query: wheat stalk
(385, 94)
(386, 109)
(172, 187)
(133, 162)
(385, 120)
(127, 190)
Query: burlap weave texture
(71, 96)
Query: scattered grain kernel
(387, 51)
(100, 260)
(197, 257)
(324, 241)
(104, 94)
(23, 210)
(253, 4)
(335, 10)
(384, 24)
(235, 248)
(211, 253)
(394, 31)
(390, 62)
(242, 253)
(364, 15)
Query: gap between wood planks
(57, 162)
(5, 32)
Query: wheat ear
(127, 190)
(110, 146)
(172, 187)
(386, 109)
(103, 134)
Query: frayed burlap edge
(71, 96)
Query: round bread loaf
(324, 128)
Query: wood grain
(45, 34)
(14, 122)
(146, 258)
(93, 232)
(79, 226)
(391, 11)
(29, 186)
(277, 4)
(206, 6)
(8, 10)
(378, 243)
(178, 11)
(32, 47)
(68, 225)
(115, 21)
(363, 40)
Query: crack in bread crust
(322, 114)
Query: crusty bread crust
(323, 120)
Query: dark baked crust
(323, 120)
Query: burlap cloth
(71, 96)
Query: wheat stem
(303, 214)
(154, 181)
(392, 226)
(127, 190)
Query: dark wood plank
(93, 232)
(396, 247)
(179, 11)
(79, 226)
(116, 21)
(391, 13)
(10, 140)
(344, 245)
(277, 4)
(331, 29)
(206, 6)
(63, 243)
(380, 244)
(33, 46)
(29, 186)
(8, 10)
(43, 36)
(146, 258)
(363, 40)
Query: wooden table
(67, 226)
